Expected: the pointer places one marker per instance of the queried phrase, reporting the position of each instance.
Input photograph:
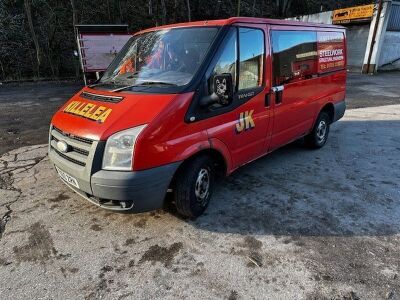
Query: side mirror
(222, 91)
(223, 88)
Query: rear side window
(331, 51)
(294, 55)
(251, 52)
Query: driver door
(242, 123)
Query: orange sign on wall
(353, 14)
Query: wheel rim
(321, 131)
(202, 188)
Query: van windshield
(163, 57)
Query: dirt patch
(250, 249)
(164, 255)
(4, 220)
(233, 295)
(96, 227)
(4, 262)
(39, 248)
(130, 242)
(252, 243)
(67, 271)
(141, 223)
(59, 198)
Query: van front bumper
(136, 191)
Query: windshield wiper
(144, 83)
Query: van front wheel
(194, 186)
(319, 134)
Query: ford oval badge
(62, 146)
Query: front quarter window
(227, 62)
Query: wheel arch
(219, 159)
(329, 108)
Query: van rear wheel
(194, 186)
(319, 134)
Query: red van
(185, 102)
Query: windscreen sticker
(245, 121)
(88, 110)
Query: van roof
(244, 20)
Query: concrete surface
(297, 224)
(372, 90)
(26, 109)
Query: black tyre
(319, 134)
(194, 186)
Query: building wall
(357, 37)
(322, 18)
(390, 51)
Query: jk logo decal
(245, 121)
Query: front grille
(70, 158)
(74, 137)
(78, 147)
(81, 151)
(103, 98)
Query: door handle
(277, 90)
(267, 102)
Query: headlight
(118, 154)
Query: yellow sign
(351, 14)
(88, 110)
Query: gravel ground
(26, 110)
(297, 224)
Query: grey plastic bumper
(147, 189)
(339, 108)
(138, 191)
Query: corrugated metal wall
(357, 38)
(390, 54)
(394, 19)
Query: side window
(227, 60)
(251, 52)
(294, 55)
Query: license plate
(68, 178)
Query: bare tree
(283, 7)
(74, 23)
(150, 5)
(2, 70)
(164, 12)
(109, 12)
(74, 15)
(28, 11)
(188, 10)
(175, 11)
